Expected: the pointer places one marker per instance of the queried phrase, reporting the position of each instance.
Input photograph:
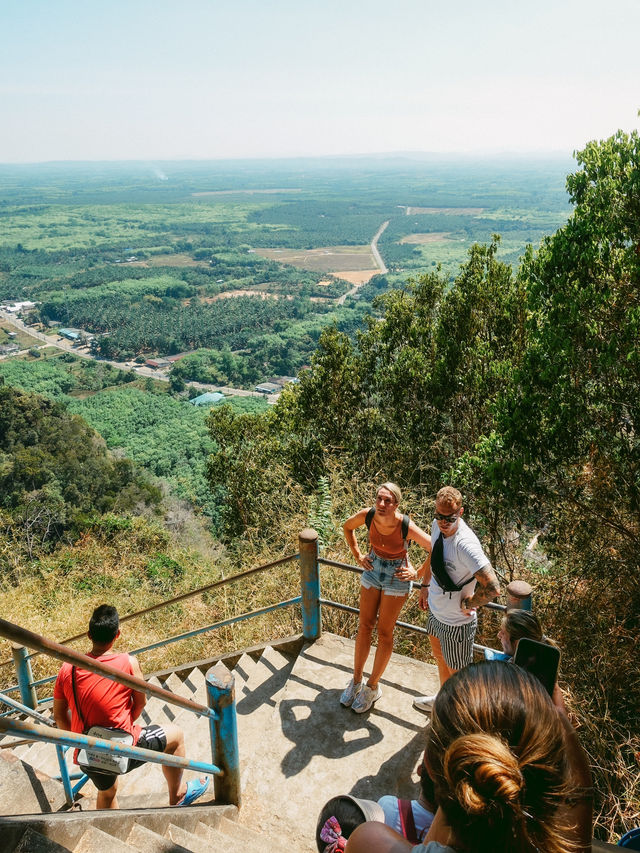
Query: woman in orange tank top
(385, 585)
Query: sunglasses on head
(448, 518)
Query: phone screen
(539, 659)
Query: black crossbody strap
(75, 697)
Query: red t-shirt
(103, 702)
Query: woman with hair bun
(508, 771)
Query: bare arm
(349, 527)
(61, 714)
(374, 837)
(138, 700)
(425, 573)
(487, 589)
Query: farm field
(241, 268)
(330, 259)
(146, 265)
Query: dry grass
(56, 596)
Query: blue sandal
(195, 789)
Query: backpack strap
(405, 529)
(369, 516)
(407, 823)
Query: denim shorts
(382, 576)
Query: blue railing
(221, 707)
(220, 712)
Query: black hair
(104, 624)
(348, 814)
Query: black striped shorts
(456, 641)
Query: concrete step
(68, 828)
(249, 837)
(25, 790)
(312, 748)
(258, 704)
(141, 838)
(95, 840)
(194, 843)
(217, 839)
(197, 684)
(241, 673)
(34, 842)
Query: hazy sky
(181, 79)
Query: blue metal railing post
(224, 733)
(24, 676)
(64, 775)
(310, 584)
(518, 596)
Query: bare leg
(390, 607)
(369, 603)
(107, 799)
(444, 671)
(173, 775)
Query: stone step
(141, 838)
(34, 842)
(95, 840)
(25, 790)
(312, 748)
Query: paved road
(377, 258)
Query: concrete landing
(312, 748)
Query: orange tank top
(389, 546)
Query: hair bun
(482, 773)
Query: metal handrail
(409, 626)
(37, 732)
(56, 650)
(188, 634)
(183, 597)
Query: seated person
(412, 818)
(518, 624)
(339, 817)
(102, 702)
(508, 770)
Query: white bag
(109, 762)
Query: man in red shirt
(106, 703)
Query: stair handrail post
(223, 729)
(310, 584)
(64, 774)
(519, 596)
(24, 675)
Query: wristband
(424, 585)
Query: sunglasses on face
(448, 518)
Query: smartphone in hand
(539, 659)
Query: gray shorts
(456, 641)
(383, 576)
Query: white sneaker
(424, 703)
(365, 699)
(349, 693)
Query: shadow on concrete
(395, 776)
(323, 727)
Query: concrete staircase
(298, 748)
